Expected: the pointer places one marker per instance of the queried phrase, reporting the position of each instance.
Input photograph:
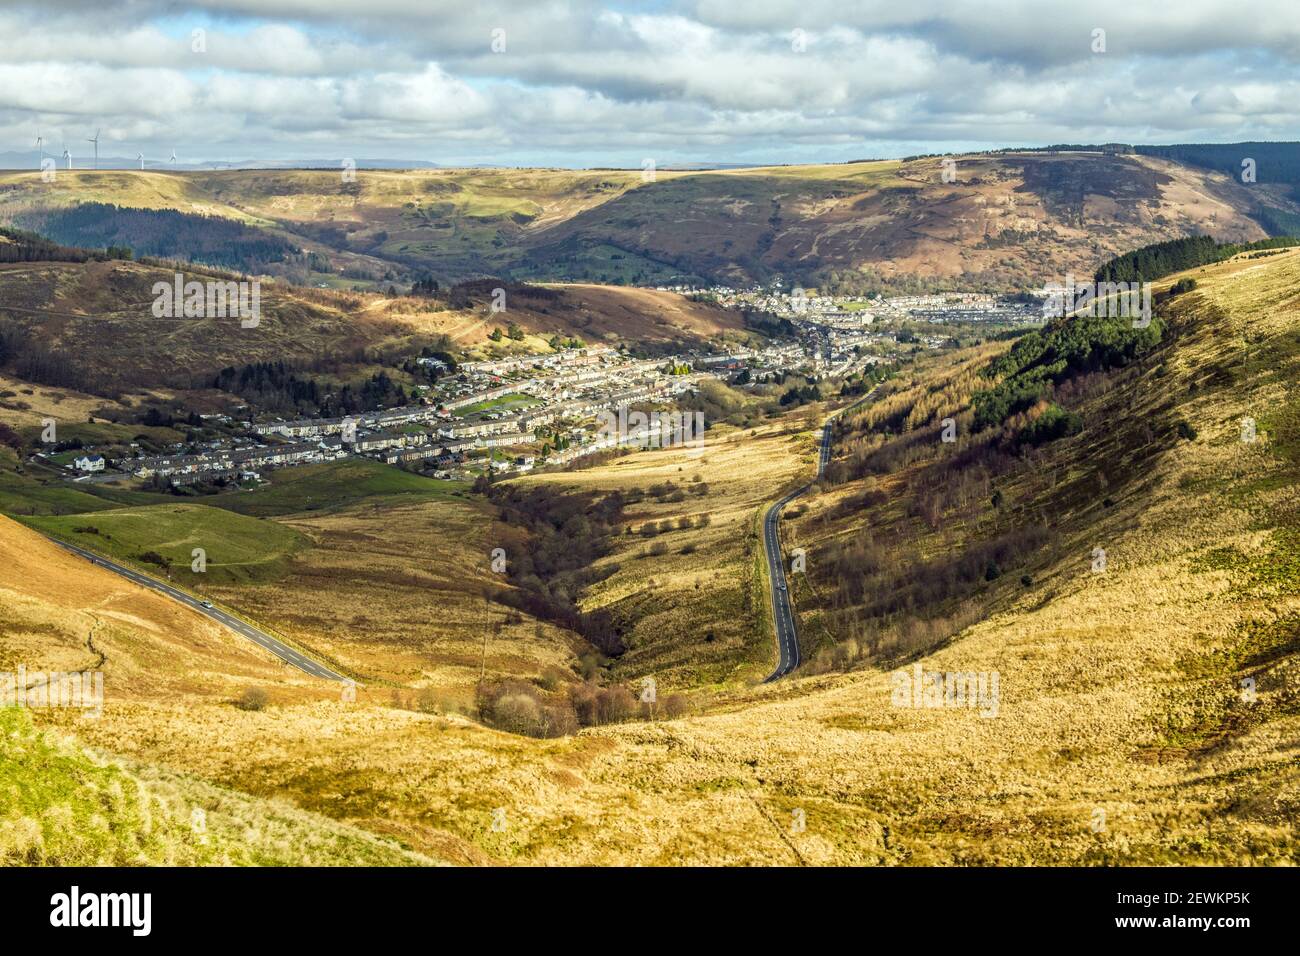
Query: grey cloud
(710, 79)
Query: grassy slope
(66, 805)
(360, 559)
(333, 485)
(394, 588)
(140, 190)
(98, 316)
(32, 489)
(237, 548)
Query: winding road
(240, 627)
(787, 637)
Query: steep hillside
(60, 611)
(90, 325)
(67, 805)
(594, 313)
(382, 573)
(684, 581)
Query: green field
(237, 548)
(511, 402)
(108, 433)
(331, 486)
(325, 487)
(22, 495)
(42, 490)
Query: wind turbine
(140, 156)
(67, 155)
(173, 159)
(96, 142)
(40, 144)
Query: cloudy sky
(605, 82)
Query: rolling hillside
(1006, 220)
(1009, 221)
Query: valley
(521, 610)
(1120, 689)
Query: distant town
(514, 413)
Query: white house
(89, 463)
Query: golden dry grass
(30, 405)
(394, 593)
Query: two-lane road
(787, 638)
(242, 628)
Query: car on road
(781, 585)
(205, 603)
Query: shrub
(552, 678)
(254, 698)
(582, 698)
(432, 701)
(517, 713)
(521, 708)
(559, 721)
(675, 705)
(594, 705)
(589, 665)
(615, 704)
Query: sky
(606, 83)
